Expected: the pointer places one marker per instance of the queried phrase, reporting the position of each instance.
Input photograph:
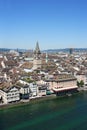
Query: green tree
(81, 83)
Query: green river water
(66, 113)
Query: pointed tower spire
(37, 49)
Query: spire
(37, 49)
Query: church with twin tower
(37, 62)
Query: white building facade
(10, 94)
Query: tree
(81, 83)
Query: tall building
(71, 51)
(37, 57)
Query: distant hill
(18, 50)
(66, 50)
(48, 50)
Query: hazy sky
(53, 23)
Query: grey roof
(9, 88)
(37, 49)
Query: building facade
(63, 84)
(24, 92)
(10, 94)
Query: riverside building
(63, 84)
(10, 94)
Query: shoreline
(33, 100)
(26, 102)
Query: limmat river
(67, 113)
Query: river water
(67, 113)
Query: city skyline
(54, 24)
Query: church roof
(37, 49)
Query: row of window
(42, 91)
(15, 97)
(12, 94)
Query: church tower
(37, 57)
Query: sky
(55, 24)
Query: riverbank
(33, 100)
(54, 113)
(26, 102)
